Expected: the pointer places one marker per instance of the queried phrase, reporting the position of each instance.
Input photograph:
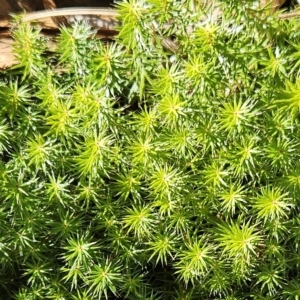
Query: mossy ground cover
(129, 171)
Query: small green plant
(132, 170)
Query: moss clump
(131, 172)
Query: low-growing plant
(132, 170)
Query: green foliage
(136, 169)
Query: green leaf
(238, 240)
(272, 204)
(165, 179)
(104, 278)
(13, 98)
(143, 150)
(73, 46)
(94, 154)
(292, 290)
(140, 221)
(289, 99)
(38, 273)
(80, 252)
(194, 261)
(236, 115)
(62, 118)
(29, 48)
(165, 84)
(128, 184)
(57, 189)
(171, 109)
(270, 278)
(162, 247)
(233, 198)
(40, 152)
